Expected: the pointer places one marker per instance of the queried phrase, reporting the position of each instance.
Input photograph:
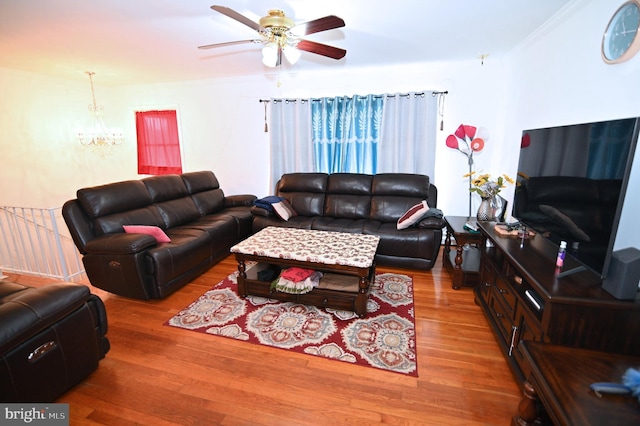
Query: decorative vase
(487, 209)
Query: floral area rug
(384, 339)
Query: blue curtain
(345, 133)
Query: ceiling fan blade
(321, 49)
(238, 17)
(230, 43)
(321, 24)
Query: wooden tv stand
(523, 299)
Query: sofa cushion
(348, 196)
(177, 212)
(412, 242)
(154, 231)
(208, 202)
(205, 191)
(189, 248)
(113, 223)
(401, 184)
(395, 193)
(339, 224)
(304, 191)
(167, 187)
(112, 198)
(200, 181)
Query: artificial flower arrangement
(485, 187)
(468, 140)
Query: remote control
(472, 226)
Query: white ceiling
(150, 41)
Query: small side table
(464, 263)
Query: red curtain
(158, 143)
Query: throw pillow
(284, 210)
(565, 221)
(154, 231)
(413, 215)
(267, 202)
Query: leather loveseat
(367, 204)
(51, 338)
(192, 210)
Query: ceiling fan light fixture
(270, 54)
(292, 54)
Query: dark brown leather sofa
(191, 208)
(366, 204)
(51, 338)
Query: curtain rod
(433, 93)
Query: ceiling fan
(280, 35)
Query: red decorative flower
(467, 139)
(477, 144)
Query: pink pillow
(154, 231)
(413, 215)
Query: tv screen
(571, 185)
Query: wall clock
(620, 40)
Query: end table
(464, 263)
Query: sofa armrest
(261, 211)
(121, 243)
(239, 200)
(431, 223)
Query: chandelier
(96, 134)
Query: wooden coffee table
(347, 260)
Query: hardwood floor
(159, 375)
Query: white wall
(559, 78)
(556, 77)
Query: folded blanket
(296, 274)
(300, 287)
(267, 202)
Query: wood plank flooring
(160, 375)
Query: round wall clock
(620, 40)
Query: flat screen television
(571, 185)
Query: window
(158, 143)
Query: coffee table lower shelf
(352, 295)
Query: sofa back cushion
(304, 191)
(122, 203)
(348, 196)
(205, 191)
(113, 223)
(111, 198)
(171, 198)
(394, 193)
